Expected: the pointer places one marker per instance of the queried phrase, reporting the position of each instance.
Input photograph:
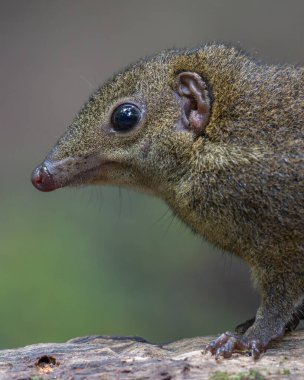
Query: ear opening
(195, 102)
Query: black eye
(125, 117)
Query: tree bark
(124, 358)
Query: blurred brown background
(100, 261)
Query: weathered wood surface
(101, 357)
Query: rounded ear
(195, 102)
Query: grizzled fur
(240, 183)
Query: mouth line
(63, 178)
(84, 177)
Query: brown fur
(240, 184)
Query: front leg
(297, 316)
(280, 294)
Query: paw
(228, 343)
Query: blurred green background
(103, 260)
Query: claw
(256, 349)
(228, 343)
(216, 343)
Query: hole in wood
(46, 361)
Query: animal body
(219, 137)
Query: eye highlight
(125, 117)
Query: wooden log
(124, 358)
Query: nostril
(42, 179)
(37, 179)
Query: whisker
(161, 218)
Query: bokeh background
(103, 260)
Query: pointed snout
(72, 171)
(42, 179)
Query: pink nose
(42, 179)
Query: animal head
(139, 129)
